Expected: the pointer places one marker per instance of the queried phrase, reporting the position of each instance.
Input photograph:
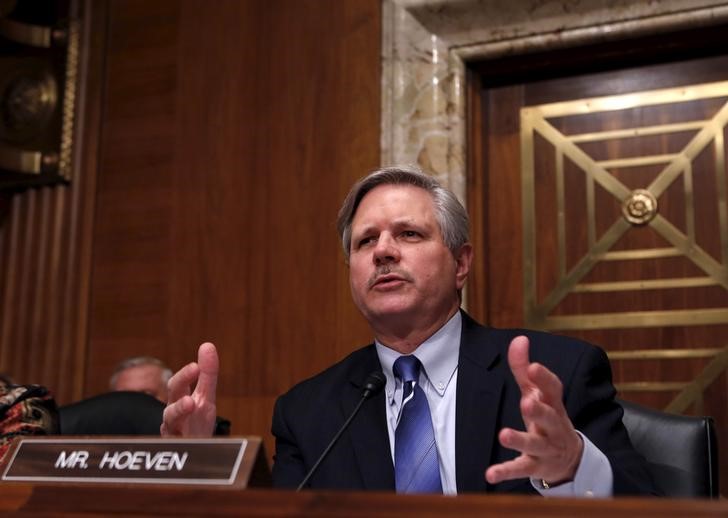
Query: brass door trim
(638, 161)
(663, 354)
(534, 120)
(633, 100)
(652, 284)
(659, 129)
(646, 253)
(651, 386)
(634, 319)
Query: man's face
(143, 378)
(401, 273)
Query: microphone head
(373, 384)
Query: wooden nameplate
(236, 462)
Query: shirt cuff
(593, 478)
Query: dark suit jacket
(306, 418)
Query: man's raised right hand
(191, 412)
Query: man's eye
(365, 241)
(410, 233)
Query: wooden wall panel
(231, 133)
(45, 237)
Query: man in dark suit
(496, 410)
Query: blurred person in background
(142, 374)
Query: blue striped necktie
(416, 465)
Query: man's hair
(449, 212)
(136, 361)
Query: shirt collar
(438, 355)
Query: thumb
(209, 365)
(518, 361)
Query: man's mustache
(388, 270)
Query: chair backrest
(681, 451)
(113, 413)
(119, 413)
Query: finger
(520, 467)
(542, 418)
(180, 384)
(548, 384)
(524, 442)
(209, 364)
(518, 362)
(174, 414)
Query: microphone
(372, 385)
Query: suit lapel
(479, 388)
(368, 430)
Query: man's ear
(463, 258)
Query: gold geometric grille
(689, 392)
(640, 207)
(574, 141)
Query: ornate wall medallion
(640, 207)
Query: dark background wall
(219, 140)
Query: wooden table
(20, 499)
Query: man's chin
(386, 312)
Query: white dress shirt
(438, 379)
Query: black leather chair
(681, 451)
(113, 413)
(119, 413)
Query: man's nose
(386, 250)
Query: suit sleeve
(589, 400)
(288, 466)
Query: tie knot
(407, 368)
